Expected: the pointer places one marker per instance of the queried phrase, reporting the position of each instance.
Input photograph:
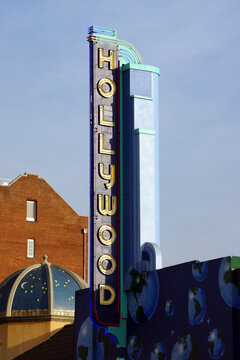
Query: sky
(44, 107)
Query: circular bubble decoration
(229, 283)
(216, 344)
(85, 345)
(185, 349)
(134, 347)
(158, 352)
(200, 270)
(196, 306)
(170, 307)
(143, 295)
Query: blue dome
(40, 290)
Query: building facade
(34, 220)
(35, 303)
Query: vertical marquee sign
(104, 153)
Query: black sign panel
(104, 218)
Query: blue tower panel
(143, 113)
(140, 83)
(141, 168)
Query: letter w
(104, 206)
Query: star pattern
(32, 291)
(64, 290)
(31, 296)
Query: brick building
(34, 220)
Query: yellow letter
(103, 266)
(112, 87)
(102, 150)
(103, 58)
(110, 177)
(101, 237)
(104, 288)
(106, 210)
(109, 113)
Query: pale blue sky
(44, 107)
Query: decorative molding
(15, 285)
(145, 131)
(127, 52)
(142, 67)
(102, 31)
(141, 97)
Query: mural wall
(184, 312)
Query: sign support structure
(116, 213)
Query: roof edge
(41, 178)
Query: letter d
(102, 298)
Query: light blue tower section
(141, 167)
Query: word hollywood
(105, 184)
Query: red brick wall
(58, 231)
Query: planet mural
(216, 344)
(134, 347)
(85, 340)
(185, 349)
(172, 318)
(143, 295)
(196, 306)
(85, 348)
(158, 352)
(200, 270)
(170, 307)
(229, 283)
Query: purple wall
(189, 311)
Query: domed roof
(38, 290)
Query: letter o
(111, 85)
(101, 237)
(103, 269)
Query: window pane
(31, 210)
(30, 248)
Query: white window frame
(30, 248)
(33, 205)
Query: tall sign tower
(124, 190)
